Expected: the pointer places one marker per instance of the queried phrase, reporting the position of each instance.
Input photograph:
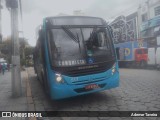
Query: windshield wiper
(71, 35)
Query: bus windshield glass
(72, 46)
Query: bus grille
(74, 71)
(90, 81)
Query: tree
(29, 55)
(6, 49)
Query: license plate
(91, 86)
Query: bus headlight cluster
(59, 78)
(114, 69)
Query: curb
(30, 102)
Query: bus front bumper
(66, 91)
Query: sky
(35, 10)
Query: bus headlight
(114, 69)
(59, 78)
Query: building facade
(149, 22)
(143, 24)
(125, 28)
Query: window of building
(157, 10)
(144, 17)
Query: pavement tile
(136, 92)
(7, 102)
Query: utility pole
(0, 22)
(16, 73)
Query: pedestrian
(0, 67)
(3, 68)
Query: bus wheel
(143, 64)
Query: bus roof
(75, 20)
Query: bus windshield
(78, 46)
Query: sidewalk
(7, 102)
(23, 103)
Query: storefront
(150, 32)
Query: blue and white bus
(75, 55)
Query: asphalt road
(139, 90)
